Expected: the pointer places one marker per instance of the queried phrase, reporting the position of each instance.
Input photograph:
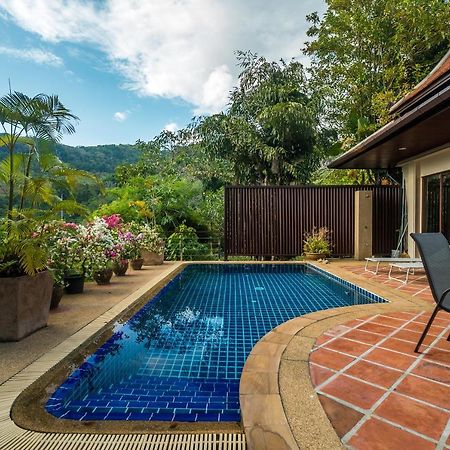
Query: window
(437, 203)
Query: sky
(131, 68)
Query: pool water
(181, 356)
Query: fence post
(363, 224)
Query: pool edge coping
(283, 355)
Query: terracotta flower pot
(152, 258)
(74, 284)
(24, 305)
(136, 264)
(57, 293)
(314, 256)
(120, 268)
(103, 276)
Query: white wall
(413, 171)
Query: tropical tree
(369, 53)
(30, 120)
(177, 154)
(270, 132)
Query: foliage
(183, 244)
(177, 154)
(167, 201)
(150, 239)
(317, 241)
(29, 119)
(99, 159)
(270, 132)
(370, 53)
(66, 245)
(21, 247)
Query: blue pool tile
(208, 417)
(116, 415)
(185, 417)
(140, 416)
(95, 416)
(163, 416)
(230, 417)
(73, 415)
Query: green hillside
(99, 159)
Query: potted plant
(133, 243)
(152, 246)
(102, 249)
(71, 253)
(316, 244)
(121, 247)
(25, 287)
(56, 259)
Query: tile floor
(417, 284)
(378, 393)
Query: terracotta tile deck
(417, 284)
(378, 393)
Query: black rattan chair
(435, 253)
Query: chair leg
(427, 328)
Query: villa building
(417, 140)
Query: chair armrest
(444, 294)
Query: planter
(103, 276)
(152, 258)
(24, 305)
(314, 256)
(120, 268)
(74, 284)
(57, 294)
(136, 264)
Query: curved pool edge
(279, 406)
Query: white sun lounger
(407, 267)
(378, 261)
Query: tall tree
(270, 132)
(369, 53)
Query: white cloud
(33, 54)
(172, 48)
(172, 127)
(120, 116)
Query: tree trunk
(11, 181)
(27, 174)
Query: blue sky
(129, 69)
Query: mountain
(99, 159)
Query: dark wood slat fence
(272, 220)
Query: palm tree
(28, 120)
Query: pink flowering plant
(65, 244)
(102, 245)
(131, 243)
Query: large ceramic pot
(24, 305)
(74, 284)
(103, 276)
(57, 294)
(152, 258)
(314, 256)
(136, 264)
(120, 267)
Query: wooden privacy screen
(272, 220)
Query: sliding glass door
(436, 214)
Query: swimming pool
(180, 357)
